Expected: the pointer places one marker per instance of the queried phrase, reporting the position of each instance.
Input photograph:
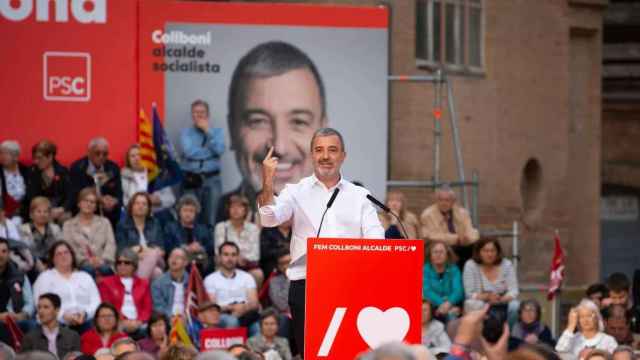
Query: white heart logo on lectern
(378, 327)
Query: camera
(493, 324)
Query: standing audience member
(490, 279)
(397, 203)
(202, 146)
(233, 289)
(272, 241)
(91, 236)
(76, 289)
(168, 290)
(157, 339)
(16, 296)
(448, 222)
(104, 332)
(243, 233)
(587, 320)
(40, 232)
(49, 179)
(14, 178)
(267, 339)
(97, 171)
(130, 294)
(529, 328)
(51, 336)
(442, 282)
(434, 335)
(143, 233)
(135, 179)
(187, 232)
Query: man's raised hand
(269, 165)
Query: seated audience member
(623, 352)
(267, 339)
(16, 297)
(96, 171)
(392, 230)
(442, 282)
(143, 233)
(529, 329)
(78, 291)
(618, 324)
(195, 237)
(209, 315)
(130, 294)
(104, 332)
(587, 320)
(157, 338)
(597, 292)
(619, 291)
(135, 179)
(448, 222)
(233, 289)
(243, 233)
(40, 232)
(272, 241)
(434, 336)
(489, 278)
(20, 252)
(124, 345)
(50, 335)
(8, 229)
(279, 293)
(14, 177)
(51, 180)
(168, 290)
(91, 236)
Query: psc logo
(66, 76)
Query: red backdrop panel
(384, 276)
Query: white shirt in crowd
(575, 342)
(178, 298)
(351, 216)
(128, 306)
(78, 293)
(229, 290)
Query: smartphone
(493, 323)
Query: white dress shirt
(351, 216)
(78, 292)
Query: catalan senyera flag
(557, 269)
(147, 150)
(179, 332)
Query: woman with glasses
(91, 236)
(529, 327)
(104, 332)
(130, 294)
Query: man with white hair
(448, 222)
(96, 170)
(13, 178)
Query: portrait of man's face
(282, 111)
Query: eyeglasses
(124, 262)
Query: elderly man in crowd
(96, 170)
(168, 290)
(448, 222)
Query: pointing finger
(269, 153)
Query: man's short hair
(53, 298)
(228, 243)
(188, 199)
(616, 311)
(5, 241)
(597, 288)
(215, 355)
(123, 341)
(266, 60)
(625, 349)
(327, 131)
(391, 350)
(618, 282)
(200, 102)
(97, 141)
(445, 189)
(12, 147)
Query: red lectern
(360, 294)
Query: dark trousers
(296, 303)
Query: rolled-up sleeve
(279, 212)
(371, 227)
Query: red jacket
(91, 341)
(112, 291)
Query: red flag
(15, 331)
(557, 269)
(196, 294)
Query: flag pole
(554, 304)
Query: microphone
(386, 209)
(331, 200)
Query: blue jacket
(201, 151)
(176, 236)
(127, 233)
(162, 292)
(439, 289)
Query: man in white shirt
(233, 289)
(351, 216)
